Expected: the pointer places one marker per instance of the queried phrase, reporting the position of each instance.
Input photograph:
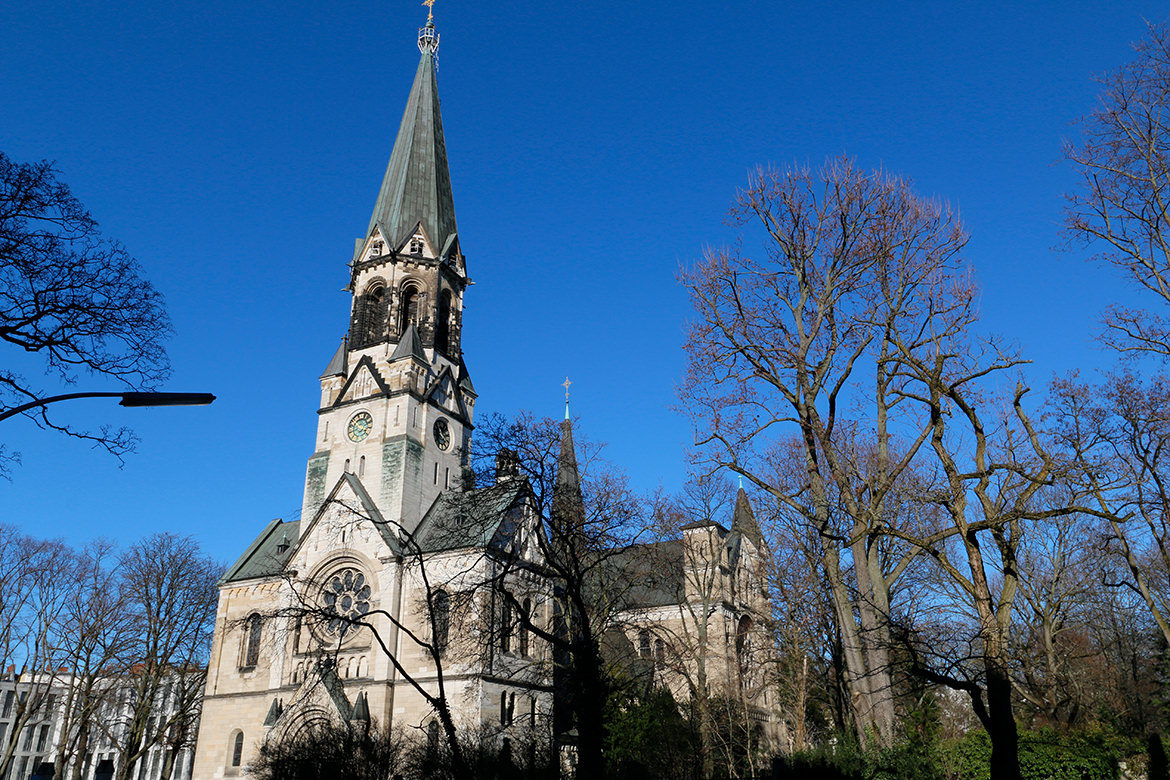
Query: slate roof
(465, 377)
(337, 365)
(261, 558)
(655, 572)
(410, 345)
(417, 185)
(458, 520)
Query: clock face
(359, 426)
(442, 434)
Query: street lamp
(128, 399)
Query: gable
(446, 392)
(363, 382)
(348, 518)
(485, 517)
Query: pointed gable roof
(417, 186)
(337, 366)
(743, 520)
(410, 345)
(267, 555)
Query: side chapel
(391, 522)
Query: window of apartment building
(8, 697)
(43, 738)
(26, 744)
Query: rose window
(346, 598)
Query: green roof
(263, 558)
(417, 185)
(472, 518)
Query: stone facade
(387, 586)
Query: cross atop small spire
(428, 39)
(565, 385)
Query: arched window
(408, 309)
(743, 642)
(237, 748)
(371, 315)
(643, 644)
(362, 466)
(443, 325)
(659, 651)
(524, 627)
(252, 641)
(503, 709)
(506, 626)
(441, 609)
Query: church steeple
(396, 401)
(408, 269)
(417, 186)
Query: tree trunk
(856, 680)
(590, 712)
(1005, 755)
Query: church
(371, 606)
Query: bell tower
(396, 400)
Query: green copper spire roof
(417, 185)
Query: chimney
(507, 465)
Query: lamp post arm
(128, 399)
(42, 401)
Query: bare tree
(96, 636)
(993, 470)
(782, 338)
(73, 296)
(1117, 435)
(37, 578)
(1124, 162)
(1059, 575)
(169, 590)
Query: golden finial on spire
(428, 38)
(565, 385)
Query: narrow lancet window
(443, 323)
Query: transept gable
(472, 518)
(364, 382)
(347, 517)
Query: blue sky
(237, 148)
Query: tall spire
(567, 514)
(743, 520)
(417, 186)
